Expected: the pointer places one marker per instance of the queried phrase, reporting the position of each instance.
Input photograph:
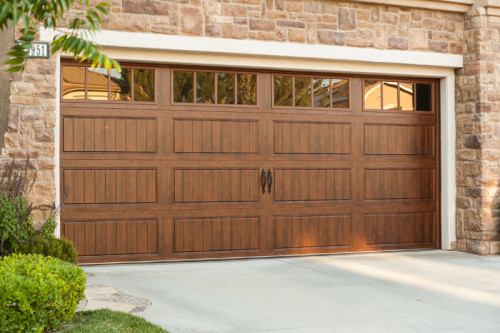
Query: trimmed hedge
(38, 293)
(50, 246)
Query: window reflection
(120, 86)
(144, 85)
(390, 94)
(406, 96)
(340, 94)
(283, 90)
(321, 92)
(302, 92)
(247, 89)
(225, 88)
(97, 83)
(372, 95)
(183, 87)
(73, 82)
(205, 87)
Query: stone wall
(31, 127)
(302, 21)
(478, 136)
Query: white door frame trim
(157, 48)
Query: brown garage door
(179, 163)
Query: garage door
(162, 163)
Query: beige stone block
(151, 7)
(295, 7)
(46, 164)
(44, 135)
(40, 66)
(347, 19)
(438, 46)
(234, 31)
(261, 24)
(331, 37)
(248, 2)
(418, 40)
(43, 193)
(276, 14)
(130, 22)
(164, 29)
(380, 37)
(281, 34)
(191, 21)
(397, 43)
(233, 10)
(212, 8)
(21, 88)
(212, 30)
(478, 247)
(24, 100)
(389, 18)
(296, 35)
(495, 247)
(10, 140)
(30, 113)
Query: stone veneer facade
(478, 136)
(32, 110)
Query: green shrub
(38, 293)
(50, 246)
(15, 220)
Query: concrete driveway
(420, 291)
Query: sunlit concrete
(421, 291)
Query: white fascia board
(236, 47)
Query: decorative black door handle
(263, 181)
(270, 180)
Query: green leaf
(4, 12)
(14, 61)
(16, 13)
(16, 69)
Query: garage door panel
(312, 138)
(110, 186)
(384, 139)
(391, 229)
(109, 135)
(301, 232)
(312, 184)
(399, 184)
(216, 234)
(113, 237)
(215, 136)
(181, 178)
(216, 185)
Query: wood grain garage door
(167, 163)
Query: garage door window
(307, 92)
(211, 87)
(397, 96)
(99, 84)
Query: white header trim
(236, 47)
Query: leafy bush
(17, 232)
(50, 246)
(38, 293)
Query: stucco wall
(6, 39)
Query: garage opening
(168, 163)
